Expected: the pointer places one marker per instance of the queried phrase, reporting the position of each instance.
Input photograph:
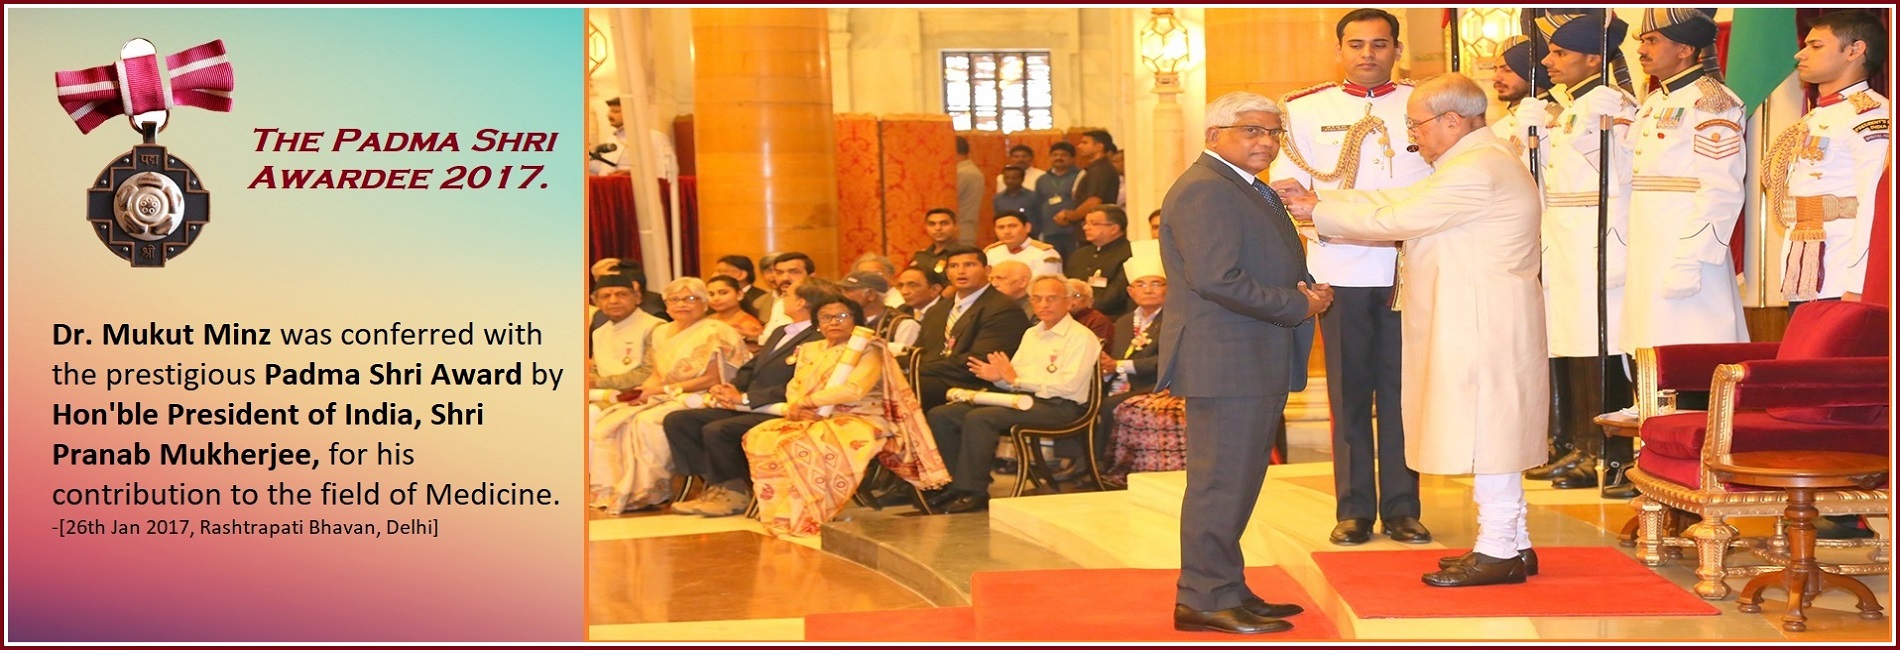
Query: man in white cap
(1134, 354)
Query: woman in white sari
(684, 357)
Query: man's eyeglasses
(1413, 126)
(1254, 131)
(1149, 284)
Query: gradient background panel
(278, 258)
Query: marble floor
(665, 577)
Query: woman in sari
(723, 294)
(806, 465)
(684, 357)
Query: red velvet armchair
(1823, 387)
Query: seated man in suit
(1053, 363)
(706, 441)
(973, 322)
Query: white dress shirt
(1056, 361)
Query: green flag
(1761, 47)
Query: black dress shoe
(1582, 475)
(1261, 608)
(1407, 530)
(967, 503)
(1351, 532)
(1478, 572)
(1232, 621)
(938, 498)
(1529, 556)
(1621, 492)
(1004, 466)
(1549, 470)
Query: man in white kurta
(1686, 192)
(1470, 234)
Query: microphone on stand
(599, 152)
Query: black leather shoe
(967, 503)
(1582, 475)
(1261, 608)
(1529, 556)
(1407, 530)
(938, 498)
(1351, 532)
(1004, 466)
(1479, 572)
(1622, 492)
(1232, 621)
(1550, 470)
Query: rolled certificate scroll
(861, 338)
(1016, 401)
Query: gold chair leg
(1022, 464)
(1650, 520)
(1712, 537)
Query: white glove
(1532, 111)
(1683, 279)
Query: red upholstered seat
(1672, 444)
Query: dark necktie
(1272, 197)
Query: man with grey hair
(1241, 293)
(1471, 238)
(1344, 135)
(883, 266)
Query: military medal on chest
(147, 206)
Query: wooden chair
(1820, 389)
(1028, 442)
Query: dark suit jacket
(993, 322)
(763, 378)
(1147, 358)
(1233, 307)
(1086, 261)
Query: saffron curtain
(919, 157)
(860, 185)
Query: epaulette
(1037, 243)
(1716, 98)
(987, 248)
(1307, 91)
(1863, 102)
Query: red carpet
(943, 624)
(1067, 605)
(1117, 605)
(1573, 581)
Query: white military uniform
(1570, 217)
(1317, 120)
(1838, 151)
(1516, 124)
(1685, 195)
(1042, 258)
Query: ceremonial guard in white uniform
(1041, 258)
(1524, 87)
(1822, 173)
(1571, 200)
(1351, 135)
(1686, 192)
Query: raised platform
(1139, 528)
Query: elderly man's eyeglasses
(1413, 126)
(1254, 131)
(1149, 284)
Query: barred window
(998, 91)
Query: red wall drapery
(613, 227)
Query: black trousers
(1580, 395)
(708, 442)
(1363, 366)
(966, 435)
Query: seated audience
(967, 325)
(843, 407)
(684, 357)
(739, 267)
(1054, 363)
(866, 290)
(1081, 295)
(724, 294)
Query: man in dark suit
(970, 324)
(1238, 291)
(706, 441)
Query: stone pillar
(763, 133)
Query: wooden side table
(1800, 473)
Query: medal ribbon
(199, 77)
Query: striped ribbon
(199, 77)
